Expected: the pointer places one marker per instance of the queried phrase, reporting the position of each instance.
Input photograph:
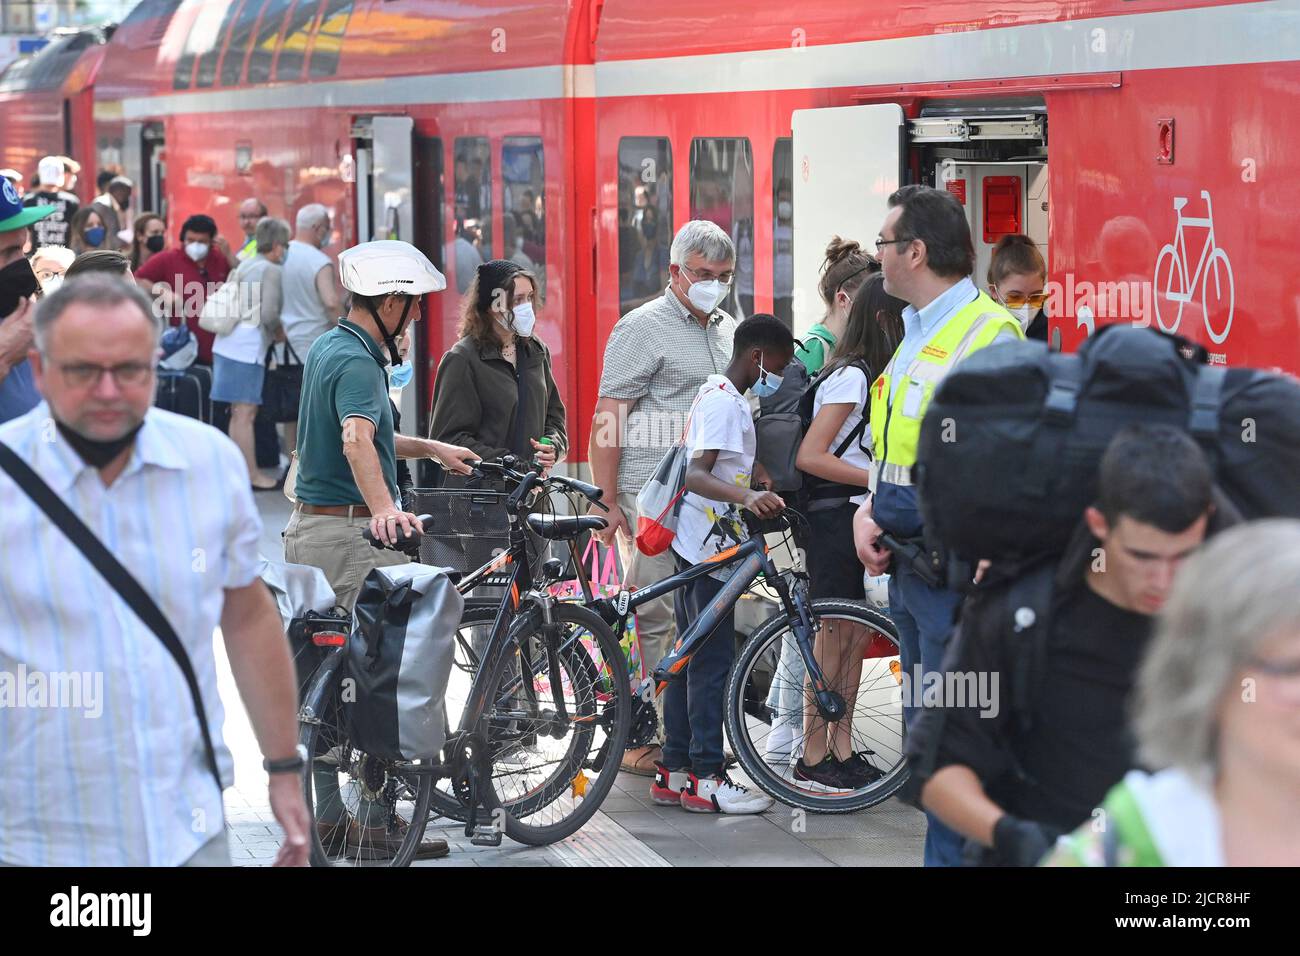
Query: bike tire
(776, 780)
(578, 665)
(524, 819)
(327, 736)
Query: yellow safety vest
(896, 424)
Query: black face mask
(155, 243)
(17, 281)
(390, 338)
(94, 453)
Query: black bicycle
(862, 707)
(525, 759)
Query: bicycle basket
(468, 527)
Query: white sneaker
(719, 794)
(779, 748)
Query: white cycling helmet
(388, 267)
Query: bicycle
(1173, 257)
(535, 716)
(877, 718)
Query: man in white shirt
(117, 775)
(720, 441)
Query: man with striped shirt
(101, 744)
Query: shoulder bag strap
(117, 576)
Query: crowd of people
(1193, 776)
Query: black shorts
(833, 563)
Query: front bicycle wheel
(875, 729)
(546, 771)
(365, 811)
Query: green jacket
(476, 395)
(816, 348)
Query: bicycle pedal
(486, 836)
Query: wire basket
(467, 527)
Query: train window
(263, 51)
(473, 184)
(329, 38)
(50, 66)
(232, 64)
(645, 219)
(207, 72)
(722, 191)
(293, 51)
(523, 208)
(783, 230)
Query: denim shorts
(234, 381)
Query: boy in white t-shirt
(720, 441)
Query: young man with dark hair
(183, 277)
(1063, 644)
(720, 441)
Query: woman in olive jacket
(494, 392)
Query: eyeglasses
(725, 278)
(1035, 301)
(126, 375)
(881, 243)
(1277, 668)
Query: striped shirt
(102, 756)
(658, 356)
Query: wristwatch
(294, 764)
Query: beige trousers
(334, 544)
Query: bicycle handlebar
(406, 543)
(527, 481)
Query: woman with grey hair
(238, 370)
(1217, 702)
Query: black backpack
(1011, 441)
(784, 419)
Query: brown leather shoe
(377, 843)
(333, 836)
(641, 760)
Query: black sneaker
(859, 770)
(829, 773)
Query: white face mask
(524, 319)
(196, 250)
(705, 296)
(1024, 315)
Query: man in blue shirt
(18, 287)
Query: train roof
(67, 63)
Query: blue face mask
(95, 235)
(767, 383)
(400, 376)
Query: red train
(1141, 142)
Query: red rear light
(329, 639)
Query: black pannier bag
(1011, 442)
(400, 656)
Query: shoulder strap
(861, 426)
(1025, 632)
(117, 576)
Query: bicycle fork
(830, 704)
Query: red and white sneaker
(719, 794)
(668, 786)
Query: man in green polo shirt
(347, 449)
(347, 476)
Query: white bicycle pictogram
(1176, 287)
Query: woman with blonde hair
(844, 270)
(1217, 705)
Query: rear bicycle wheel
(365, 811)
(544, 770)
(876, 716)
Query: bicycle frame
(1180, 243)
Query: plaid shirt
(658, 356)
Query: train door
(386, 209)
(991, 155)
(847, 160)
(145, 160)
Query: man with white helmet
(347, 447)
(347, 470)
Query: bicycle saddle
(561, 527)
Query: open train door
(847, 160)
(386, 210)
(145, 160)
